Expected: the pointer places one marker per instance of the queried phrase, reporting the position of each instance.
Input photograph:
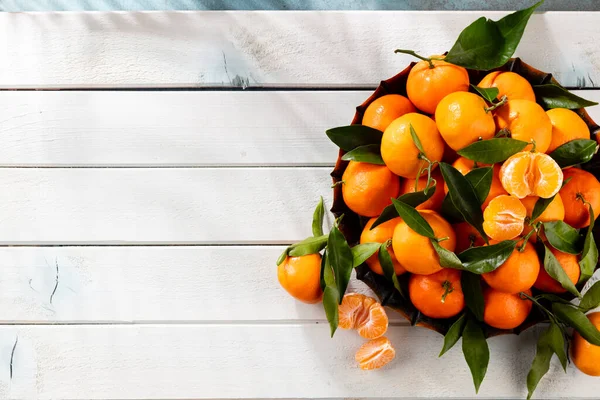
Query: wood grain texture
(258, 361)
(269, 48)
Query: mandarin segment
(436, 199)
(569, 264)
(382, 111)
(505, 310)
(585, 355)
(368, 188)
(438, 295)
(509, 84)
(527, 121)
(531, 174)
(375, 354)
(566, 126)
(301, 277)
(380, 234)
(581, 185)
(364, 314)
(518, 273)
(504, 218)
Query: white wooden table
(139, 228)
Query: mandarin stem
(337, 184)
(412, 53)
(447, 286)
(502, 101)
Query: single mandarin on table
(509, 84)
(375, 354)
(566, 126)
(505, 310)
(364, 314)
(527, 121)
(380, 234)
(438, 295)
(466, 237)
(383, 110)
(554, 212)
(436, 199)
(569, 264)
(531, 174)
(301, 277)
(399, 151)
(517, 274)
(368, 188)
(585, 355)
(427, 86)
(504, 218)
(415, 252)
(462, 119)
(581, 185)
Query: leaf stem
(412, 53)
(551, 316)
(338, 183)
(502, 101)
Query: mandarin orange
(505, 310)
(301, 277)
(368, 188)
(509, 84)
(383, 110)
(380, 234)
(438, 295)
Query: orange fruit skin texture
(436, 199)
(368, 188)
(415, 252)
(398, 149)
(426, 293)
(554, 212)
(465, 233)
(381, 112)
(582, 182)
(518, 273)
(504, 218)
(426, 87)
(364, 314)
(301, 277)
(375, 354)
(509, 84)
(569, 264)
(585, 355)
(461, 119)
(531, 174)
(566, 126)
(526, 120)
(505, 310)
(380, 234)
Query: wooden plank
(197, 128)
(145, 284)
(269, 48)
(160, 205)
(259, 361)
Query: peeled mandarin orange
(566, 126)
(466, 237)
(375, 354)
(415, 252)
(426, 86)
(518, 273)
(437, 295)
(399, 151)
(554, 212)
(504, 218)
(436, 199)
(301, 277)
(462, 119)
(569, 264)
(368, 188)
(509, 84)
(527, 121)
(531, 174)
(585, 355)
(581, 185)
(380, 234)
(382, 111)
(364, 314)
(505, 310)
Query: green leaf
(453, 334)
(556, 341)
(481, 179)
(369, 153)
(318, 216)
(476, 351)
(282, 257)
(413, 219)
(324, 265)
(589, 255)
(578, 151)
(541, 363)
(449, 211)
(554, 96)
(463, 197)
(352, 136)
(489, 94)
(361, 252)
(331, 296)
(493, 150)
(447, 258)
(412, 199)
(562, 236)
(471, 287)
(552, 298)
(540, 206)
(416, 139)
(487, 44)
(576, 319)
(556, 271)
(482, 259)
(388, 267)
(339, 255)
(311, 245)
(591, 298)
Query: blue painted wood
(137, 5)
